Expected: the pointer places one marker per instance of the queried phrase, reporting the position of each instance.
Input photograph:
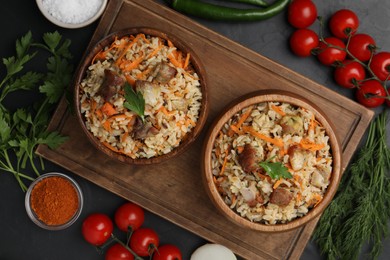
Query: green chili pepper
(223, 13)
(251, 2)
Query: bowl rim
(196, 63)
(33, 216)
(62, 24)
(255, 98)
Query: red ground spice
(54, 200)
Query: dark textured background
(20, 239)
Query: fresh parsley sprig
(24, 127)
(275, 170)
(134, 101)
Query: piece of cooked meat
(281, 197)
(111, 80)
(247, 159)
(297, 157)
(143, 130)
(163, 73)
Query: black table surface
(21, 239)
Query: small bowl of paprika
(54, 201)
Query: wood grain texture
(173, 189)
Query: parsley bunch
(359, 213)
(24, 127)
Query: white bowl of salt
(72, 14)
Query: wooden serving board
(174, 188)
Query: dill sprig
(359, 213)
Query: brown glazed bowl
(197, 66)
(214, 132)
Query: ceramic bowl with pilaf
(271, 161)
(54, 201)
(140, 96)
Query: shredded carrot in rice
(125, 50)
(277, 183)
(240, 149)
(278, 110)
(299, 197)
(187, 61)
(224, 162)
(126, 66)
(130, 79)
(318, 198)
(234, 198)
(99, 114)
(307, 144)
(119, 116)
(312, 124)
(108, 109)
(165, 111)
(124, 137)
(235, 128)
(215, 180)
(155, 51)
(244, 117)
(174, 61)
(143, 73)
(275, 141)
(170, 44)
(107, 126)
(263, 176)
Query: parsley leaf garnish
(275, 170)
(134, 101)
(22, 128)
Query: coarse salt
(72, 11)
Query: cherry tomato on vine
(144, 241)
(380, 65)
(301, 13)
(97, 229)
(331, 51)
(387, 99)
(118, 252)
(343, 23)
(371, 94)
(349, 74)
(361, 46)
(303, 41)
(129, 215)
(167, 252)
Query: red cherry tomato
(349, 74)
(380, 65)
(118, 252)
(97, 229)
(167, 252)
(129, 215)
(144, 241)
(301, 13)
(361, 46)
(343, 23)
(329, 55)
(303, 41)
(370, 92)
